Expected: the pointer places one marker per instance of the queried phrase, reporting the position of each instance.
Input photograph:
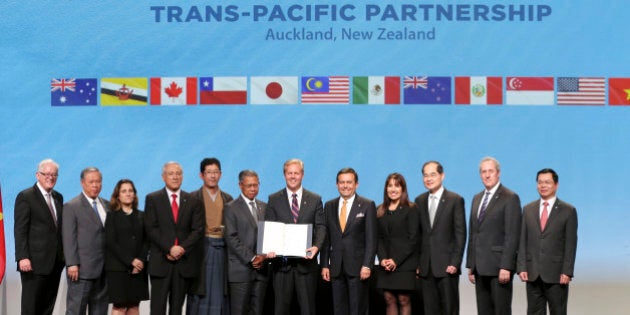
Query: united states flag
(581, 91)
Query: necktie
(254, 210)
(95, 207)
(342, 215)
(544, 216)
(484, 204)
(295, 209)
(50, 207)
(432, 209)
(175, 207)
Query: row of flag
(469, 90)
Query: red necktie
(544, 216)
(175, 209)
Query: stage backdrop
(128, 85)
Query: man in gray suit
(546, 253)
(294, 204)
(495, 220)
(83, 235)
(247, 273)
(443, 226)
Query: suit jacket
(36, 235)
(397, 237)
(198, 194)
(549, 253)
(125, 240)
(162, 231)
(199, 285)
(241, 234)
(492, 243)
(311, 212)
(356, 245)
(443, 244)
(84, 237)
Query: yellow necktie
(342, 215)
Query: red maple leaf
(173, 90)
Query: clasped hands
(176, 253)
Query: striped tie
(295, 209)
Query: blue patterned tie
(484, 204)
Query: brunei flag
(124, 91)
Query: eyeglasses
(51, 175)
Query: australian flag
(427, 90)
(73, 92)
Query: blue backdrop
(587, 145)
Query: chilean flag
(223, 90)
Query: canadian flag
(174, 91)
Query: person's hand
(523, 276)
(311, 252)
(504, 276)
(418, 273)
(471, 276)
(365, 273)
(564, 279)
(257, 263)
(137, 264)
(271, 255)
(177, 252)
(25, 265)
(451, 270)
(326, 274)
(73, 273)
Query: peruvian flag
(479, 90)
(174, 91)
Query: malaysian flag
(326, 90)
(581, 91)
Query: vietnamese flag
(479, 90)
(619, 91)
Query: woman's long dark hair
(404, 196)
(115, 204)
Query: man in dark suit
(83, 234)
(37, 231)
(495, 220)
(546, 253)
(209, 295)
(174, 222)
(443, 225)
(247, 273)
(294, 204)
(348, 255)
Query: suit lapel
(247, 212)
(91, 213)
(336, 207)
(556, 209)
(492, 202)
(356, 208)
(44, 205)
(440, 208)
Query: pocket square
(360, 215)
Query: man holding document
(296, 205)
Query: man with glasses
(37, 232)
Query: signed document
(284, 239)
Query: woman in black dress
(397, 232)
(126, 254)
